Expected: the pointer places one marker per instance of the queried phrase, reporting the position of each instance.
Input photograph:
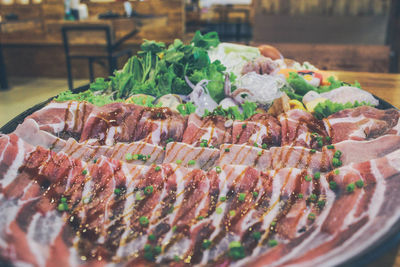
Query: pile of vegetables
(205, 76)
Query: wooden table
(383, 85)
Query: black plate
(373, 252)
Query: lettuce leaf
(327, 108)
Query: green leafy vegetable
(89, 96)
(158, 70)
(326, 108)
(249, 109)
(335, 84)
(300, 86)
(186, 109)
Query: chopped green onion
(311, 216)
(300, 196)
(95, 161)
(203, 145)
(350, 187)
(312, 151)
(177, 258)
(191, 162)
(232, 213)
(227, 150)
(273, 223)
(264, 146)
(272, 243)
(152, 237)
(242, 197)
(337, 154)
(157, 168)
(206, 244)
(62, 207)
(320, 143)
(244, 126)
(360, 183)
(128, 157)
(222, 199)
(332, 185)
(218, 169)
(63, 200)
(255, 194)
(321, 203)
(218, 210)
(328, 139)
(200, 218)
(259, 153)
(317, 175)
(148, 190)
(174, 228)
(143, 221)
(312, 197)
(255, 144)
(84, 172)
(307, 178)
(330, 147)
(236, 250)
(337, 172)
(336, 162)
(117, 191)
(179, 161)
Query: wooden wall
(323, 7)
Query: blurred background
(99, 35)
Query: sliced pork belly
(112, 123)
(159, 125)
(301, 128)
(192, 157)
(300, 157)
(58, 117)
(258, 130)
(149, 154)
(360, 123)
(52, 176)
(30, 132)
(348, 213)
(213, 130)
(245, 155)
(360, 151)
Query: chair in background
(84, 36)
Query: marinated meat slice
(361, 123)
(58, 117)
(211, 130)
(360, 151)
(301, 157)
(301, 128)
(347, 212)
(245, 155)
(132, 153)
(30, 132)
(260, 129)
(112, 123)
(159, 125)
(53, 176)
(12, 155)
(192, 157)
